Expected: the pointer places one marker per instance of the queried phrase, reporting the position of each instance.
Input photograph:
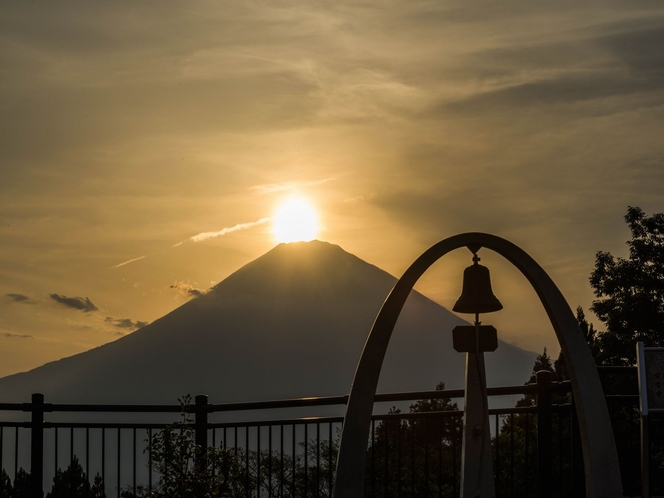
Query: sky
(129, 127)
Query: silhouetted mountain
(291, 323)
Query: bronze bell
(476, 295)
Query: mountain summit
(291, 323)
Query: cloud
(204, 236)
(18, 336)
(209, 235)
(553, 93)
(20, 298)
(127, 262)
(126, 323)
(78, 303)
(187, 289)
(362, 198)
(637, 45)
(269, 188)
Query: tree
(21, 484)
(5, 484)
(20, 488)
(174, 455)
(97, 490)
(73, 483)
(542, 362)
(630, 303)
(415, 455)
(630, 292)
(515, 445)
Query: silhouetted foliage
(21, 485)
(73, 483)
(630, 292)
(6, 487)
(174, 453)
(415, 456)
(630, 304)
(515, 445)
(426, 445)
(97, 489)
(19, 489)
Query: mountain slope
(291, 323)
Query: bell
(476, 295)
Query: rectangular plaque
(463, 338)
(654, 359)
(650, 365)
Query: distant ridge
(291, 323)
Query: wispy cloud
(270, 188)
(18, 336)
(20, 298)
(187, 289)
(126, 323)
(127, 262)
(361, 198)
(209, 235)
(203, 236)
(77, 303)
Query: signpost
(650, 367)
(476, 461)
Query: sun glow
(295, 221)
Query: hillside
(291, 323)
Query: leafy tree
(630, 292)
(97, 490)
(73, 483)
(5, 484)
(589, 334)
(542, 362)
(304, 476)
(70, 482)
(515, 445)
(414, 456)
(21, 484)
(630, 303)
(20, 488)
(427, 444)
(591, 337)
(174, 455)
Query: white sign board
(650, 364)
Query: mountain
(292, 323)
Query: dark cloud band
(77, 303)
(18, 336)
(126, 323)
(20, 298)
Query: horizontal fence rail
(416, 453)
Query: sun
(295, 221)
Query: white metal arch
(602, 472)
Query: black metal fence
(536, 448)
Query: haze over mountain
(291, 323)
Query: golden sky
(127, 127)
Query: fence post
(200, 429)
(544, 460)
(37, 447)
